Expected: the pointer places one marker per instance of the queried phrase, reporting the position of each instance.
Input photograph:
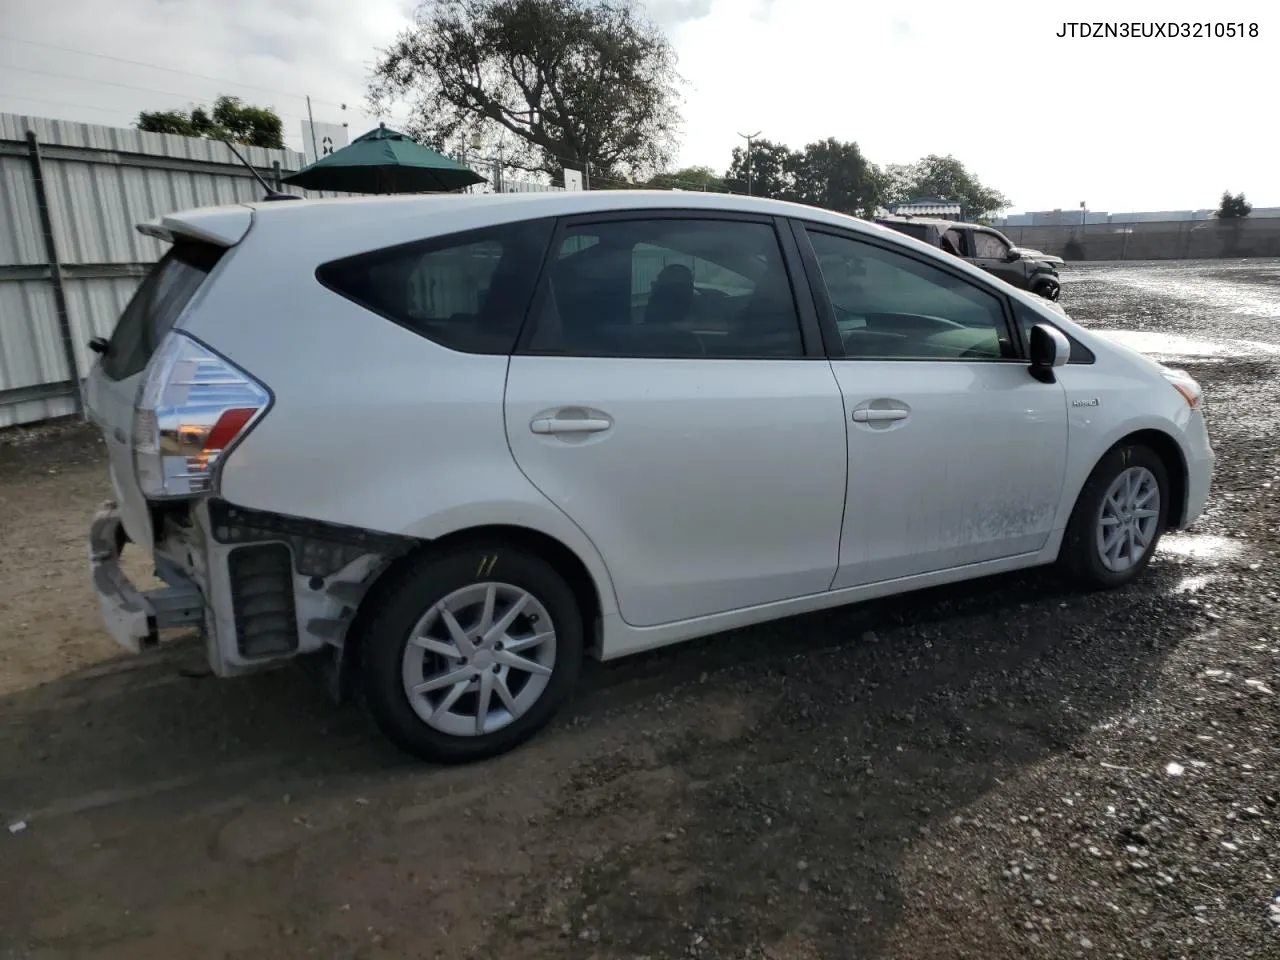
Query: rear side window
(468, 291)
(155, 306)
(679, 288)
(917, 230)
(956, 242)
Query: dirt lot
(1004, 769)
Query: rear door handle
(878, 416)
(546, 425)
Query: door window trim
(803, 297)
(826, 312)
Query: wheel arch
(1175, 467)
(585, 589)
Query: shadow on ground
(756, 789)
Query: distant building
(1054, 218)
(929, 207)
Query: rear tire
(471, 652)
(1118, 519)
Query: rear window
(468, 291)
(155, 306)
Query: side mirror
(1050, 349)
(1012, 255)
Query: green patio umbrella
(385, 161)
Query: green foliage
(1233, 208)
(230, 120)
(943, 177)
(550, 83)
(772, 173)
(827, 173)
(836, 176)
(688, 178)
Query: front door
(665, 397)
(956, 455)
(991, 253)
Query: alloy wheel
(479, 659)
(1129, 519)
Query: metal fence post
(55, 267)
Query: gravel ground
(997, 770)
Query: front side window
(889, 306)
(988, 246)
(1028, 318)
(675, 288)
(467, 292)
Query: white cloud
(1120, 123)
(269, 52)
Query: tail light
(194, 406)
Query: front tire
(471, 652)
(1118, 519)
(1048, 290)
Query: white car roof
(337, 227)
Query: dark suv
(987, 248)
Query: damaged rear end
(172, 409)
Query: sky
(1122, 124)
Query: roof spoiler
(271, 194)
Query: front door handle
(867, 415)
(547, 425)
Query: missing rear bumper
(133, 617)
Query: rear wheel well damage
(378, 588)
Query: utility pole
(315, 154)
(749, 137)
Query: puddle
(1195, 284)
(1172, 345)
(1200, 546)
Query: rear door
(670, 394)
(112, 386)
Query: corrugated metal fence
(70, 258)
(71, 195)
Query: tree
(1233, 208)
(945, 178)
(571, 82)
(230, 120)
(836, 176)
(688, 178)
(773, 170)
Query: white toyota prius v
(454, 444)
